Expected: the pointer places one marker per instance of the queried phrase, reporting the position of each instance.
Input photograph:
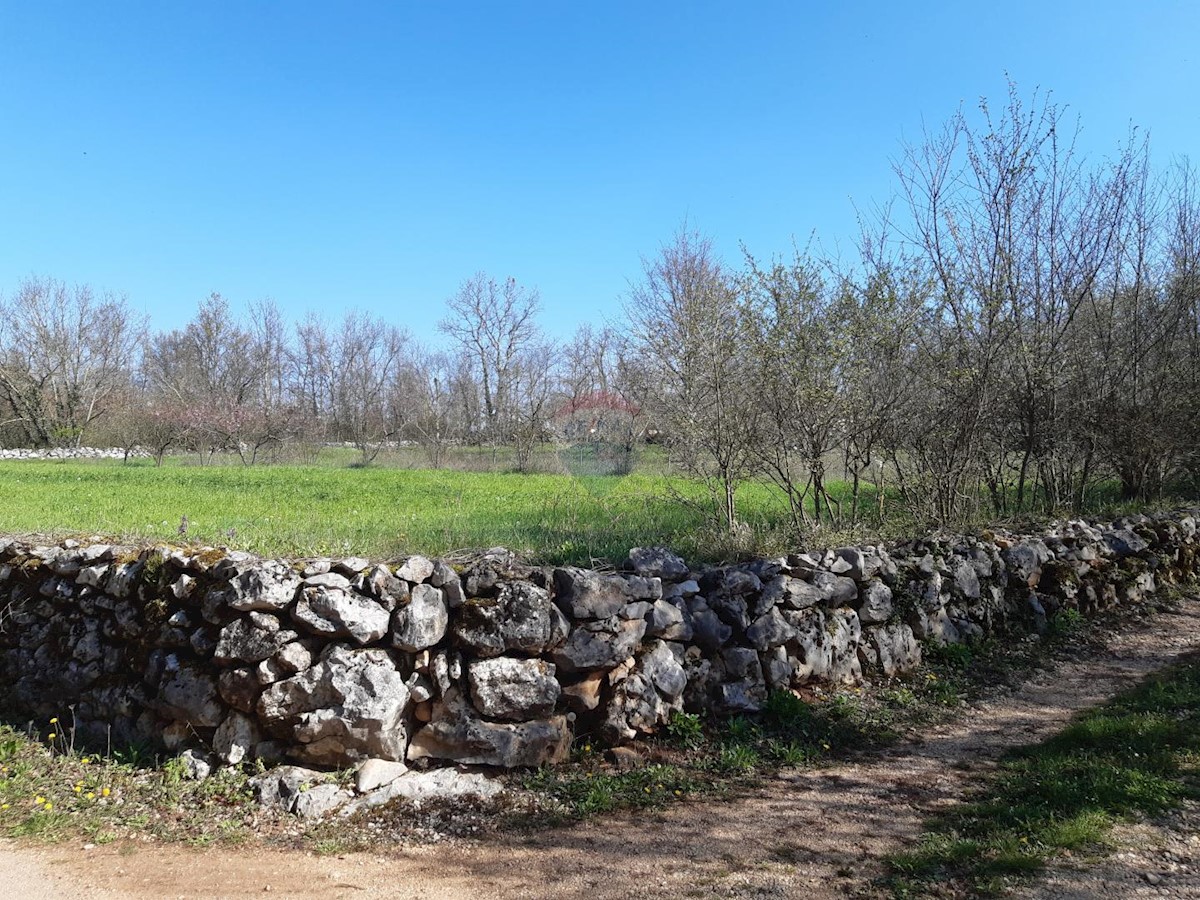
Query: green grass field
(376, 511)
(330, 506)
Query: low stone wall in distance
(61, 453)
(331, 662)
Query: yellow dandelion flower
(3, 806)
(104, 792)
(52, 735)
(54, 721)
(48, 807)
(85, 760)
(78, 789)
(39, 799)
(90, 795)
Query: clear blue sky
(373, 155)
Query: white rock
(375, 773)
(423, 622)
(235, 737)
(415, 569)
(320, 800)
(446, 783)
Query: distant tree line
(1018, 326)
(78, 367)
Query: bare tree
(366, 355)
(437, 423)
(209, 358)
(533, 385)
(799, 355)
(494, 323)
(212, 368)
(313, 368)
(688, 329)
(593, 409)
(879, 313)
(65, 353)
(1141, 331)
(159, 423)
(589, 363)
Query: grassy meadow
(330, 504)
(375, 511)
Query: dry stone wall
(74, 453)
(336, 662)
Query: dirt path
(812, 834)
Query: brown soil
(809, 833)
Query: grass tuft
(1138, 755)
